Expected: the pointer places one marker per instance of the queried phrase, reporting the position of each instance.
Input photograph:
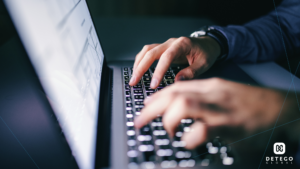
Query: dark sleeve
(266, 39)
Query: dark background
(221, 12)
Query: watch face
(198, 33)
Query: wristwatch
(217, 35)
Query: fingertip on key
(132, 80)
(154, 83)
(138, 122)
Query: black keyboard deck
(150, 147)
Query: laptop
(80, 109)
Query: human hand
(200, 53)
(214, 104)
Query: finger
(213, 88)
(151, 111)
(197, 68)
(179, 48)
(147, 60)
(196, 136)
(142, 53)
(181, 108)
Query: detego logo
(279, 148)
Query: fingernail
(181, 78)
(154, 83)
(138, 123)
(132, 80)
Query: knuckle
(150, 53)
(184, 39)
(146, 47)
(184, 101)
(190, 72)
(216, 80)
(168, 55)
(171, 39)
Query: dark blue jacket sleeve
(267, 38)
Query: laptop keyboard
(150, 147)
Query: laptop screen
(61, 41)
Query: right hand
(200, 53)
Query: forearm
(264, 39)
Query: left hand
(212, 103)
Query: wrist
(218, 36)
(213, 48)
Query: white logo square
(279, 148)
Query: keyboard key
(159, 132)
(169, 74)
(128, 99)
(168, 164)
(138, 91)
(132, 153)
(131, 142)
(138, 109)
(129, 112)
(144, 137)
(178, 134)
(129, 115)
(187, 163)
(126, 82)
(149, 93)
(169, 77)
(139, 103)
(160, 142)
(139, 97)
(148, 89)
(162, 84)
(127, 93)
(147, 84)
(158, 119)
(178, 144)
(126, 73)
(127, 87)
(169, 82)
(147, 79)
(164, 152)
(126, 77)
(148, 165)
(144, 148)
(137, 86)
(146, 130)
(125, 69)
(130, 132)
(128, 105)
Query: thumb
(193, 70)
